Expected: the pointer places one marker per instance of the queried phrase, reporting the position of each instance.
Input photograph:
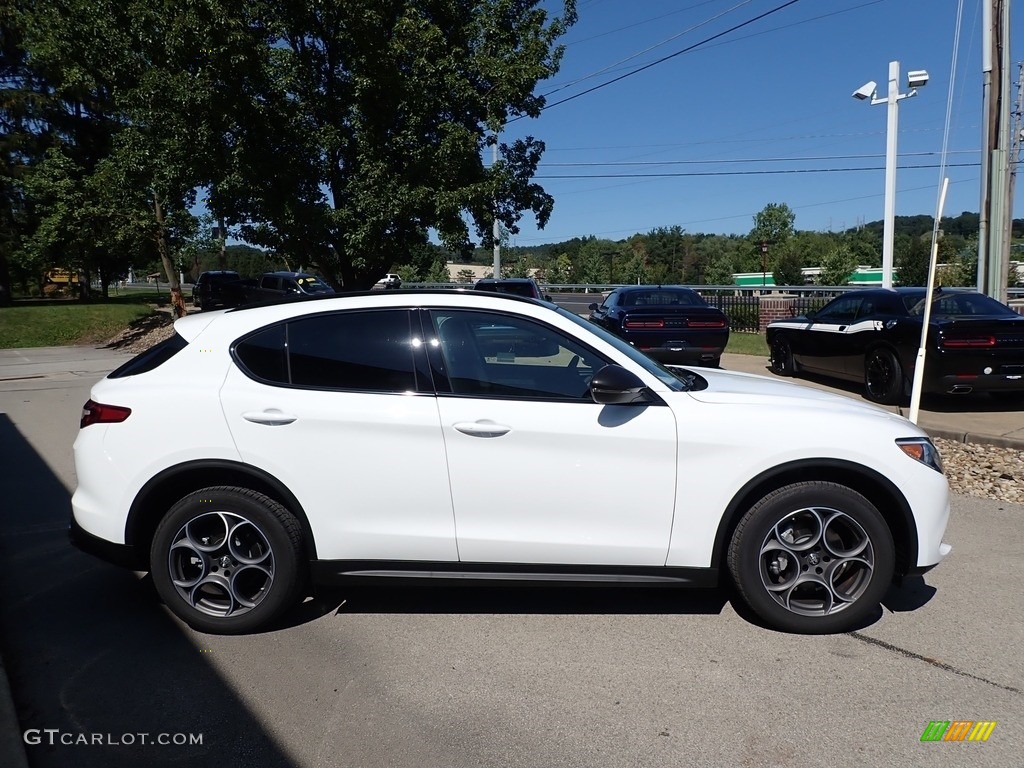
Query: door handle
(482, 428)
(270, 417)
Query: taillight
(644, 324)
(706, 323)
(969, 341)
(98, 413)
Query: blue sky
(776, 91)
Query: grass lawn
(747, 344)
(59, 322)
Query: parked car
(390, 281)
(872, 336)
(279, 285)
(513, 286)
(639, 474)
(670, 323)
(217, 289)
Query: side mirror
(592, 306)
(809, 314)
(614, 385)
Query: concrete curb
(976, 438)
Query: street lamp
(764, 264)
(916, 78)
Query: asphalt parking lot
(480, 677)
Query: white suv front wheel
(812, 557)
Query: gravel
(973, 469)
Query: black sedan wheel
(226, 560)
(812, 557)
(782, 357)
(883, 377)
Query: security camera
(917, 78)
(866, 91)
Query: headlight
(921, 449)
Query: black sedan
(668, 323)
(975, 343)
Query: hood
(735, 388)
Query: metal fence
(741, 304)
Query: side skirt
(340, 572)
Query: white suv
(252, 456)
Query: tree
(910, 260)
(837, 264)
(375, 119)
(773, 224)
(788, 269)
(720, 269)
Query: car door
(337, 407)
(826, 344)
(539, 472)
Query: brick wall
(774, 307)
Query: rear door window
(361, 351)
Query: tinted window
(152, 358)
(842, 310)
(368, 351)
(221, 278)
(365, 351)
(956, 304)
(515, 289)
(263, 355)
(662, 298)
(495, 355)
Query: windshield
(669, 378)
(311, 284)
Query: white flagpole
(915, 392)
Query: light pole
(764, 264)
(916, 79)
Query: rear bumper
(960, 384)
(682, 355)
(123, 555)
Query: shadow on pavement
(90, 652)
(543, 600)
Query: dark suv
(277, 285)
(517, 286)
(218, 288)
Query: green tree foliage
(375, 119)
(788, 269)
(910, 260)
(837, 264)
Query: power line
(744, 173)
(747, 160)
(666, 58)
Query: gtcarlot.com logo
(54, 736)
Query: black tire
(883, 377)
(227, 560)
(812, 558)
(782, 357)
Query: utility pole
(1016, 136)
(497, 227)
(995, 214)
